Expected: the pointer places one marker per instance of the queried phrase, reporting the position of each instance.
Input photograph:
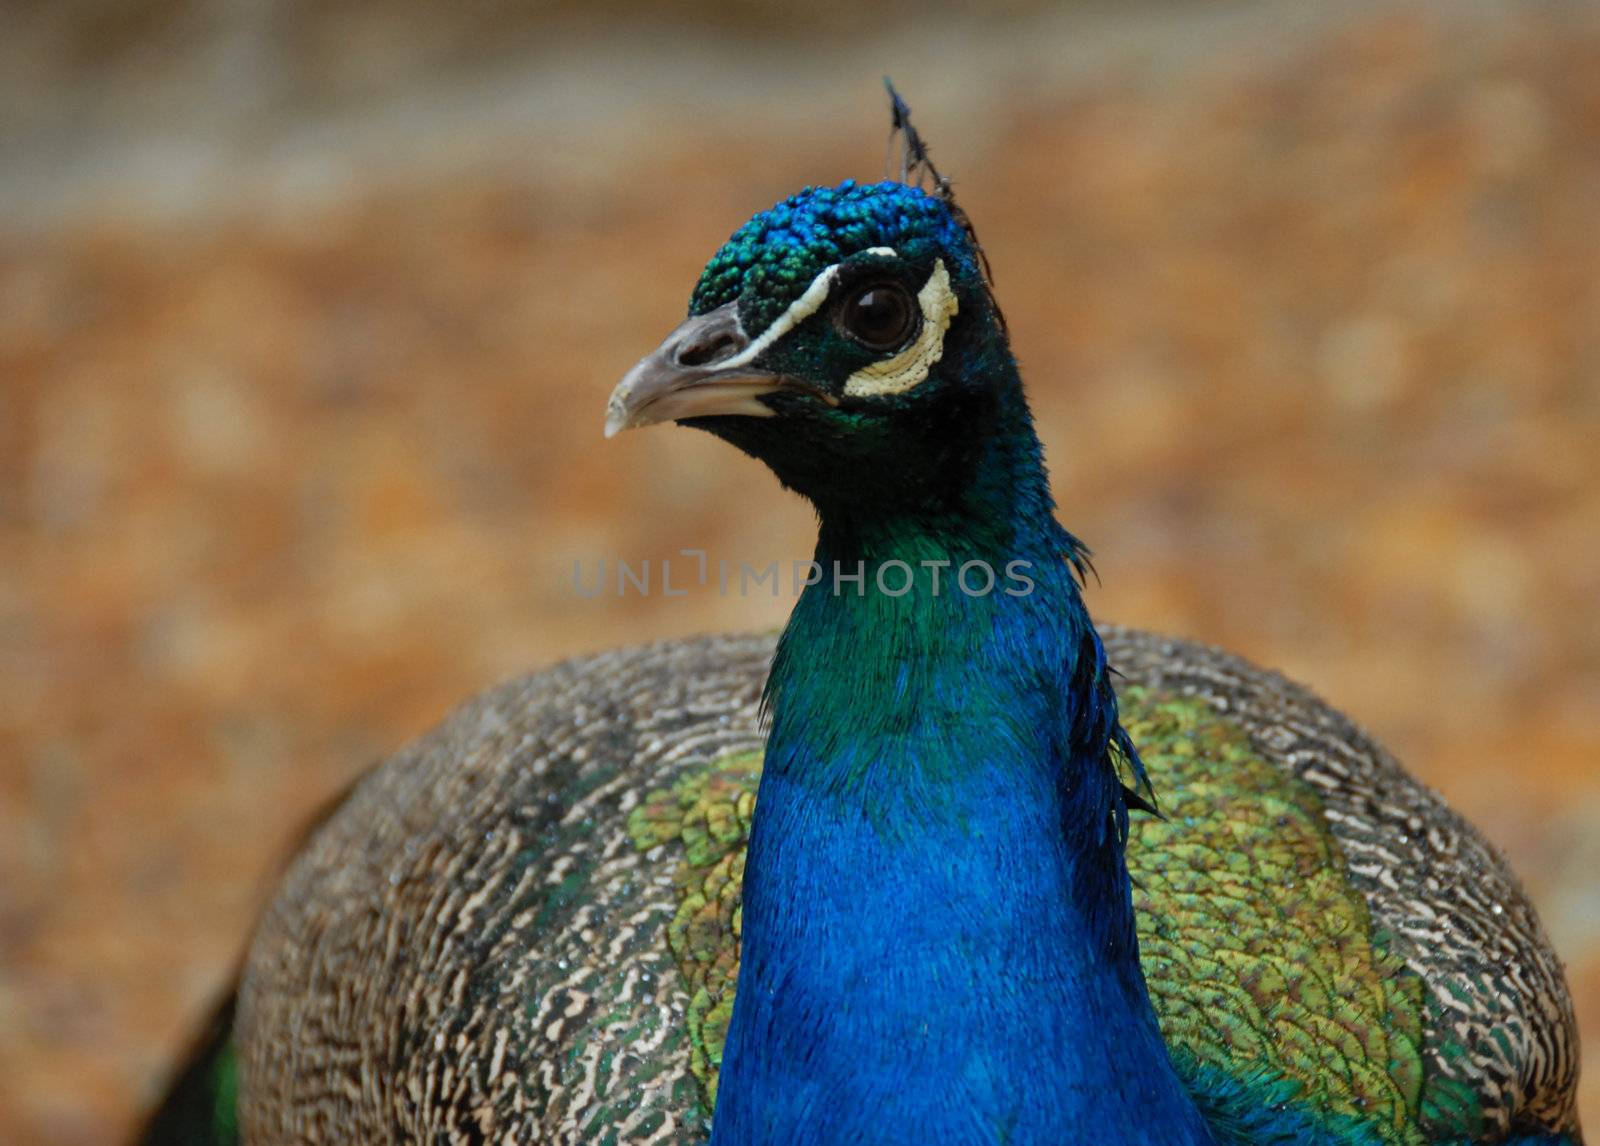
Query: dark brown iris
(881, 316)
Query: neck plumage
(938, 938)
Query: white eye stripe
(799, 310)
(911, 366)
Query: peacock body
(931, 874)
(525, 926)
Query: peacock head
(847, 338)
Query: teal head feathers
(837, 337)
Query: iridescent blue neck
(938, 940)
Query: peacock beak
(701, 368)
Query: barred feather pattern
(473, 949)
(1502, 1029)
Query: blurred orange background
(308, 314)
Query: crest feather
(917, 170)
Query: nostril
(712, 348)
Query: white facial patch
(799, 310)
(910, 367)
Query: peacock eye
(882, 316)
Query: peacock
(941, 863)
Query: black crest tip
(917, 169)
(916, 166)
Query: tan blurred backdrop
(308, 313)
